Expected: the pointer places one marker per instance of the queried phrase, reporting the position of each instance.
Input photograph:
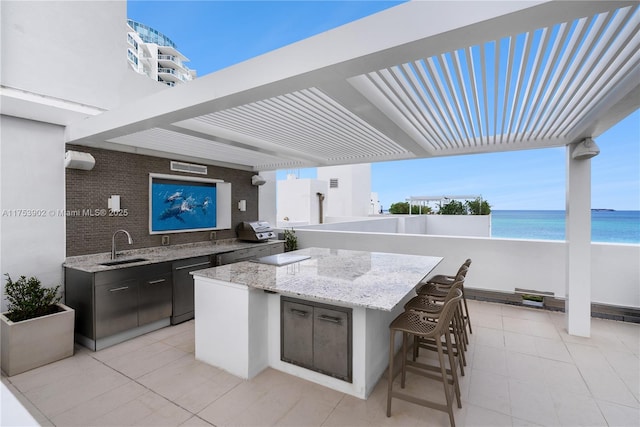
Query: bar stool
(445, 279)
(438, 284)
(430, 305)
(427, 325)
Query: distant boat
(603, 210)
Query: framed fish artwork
(183, 204)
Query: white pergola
(419, 80)
(422, 79)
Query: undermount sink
(123, 261)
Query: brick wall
(127, 175)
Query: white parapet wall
(503, 264)
(437, 225)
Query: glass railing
(167, 71)
(171, 58)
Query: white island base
(237, 328)
(237, 310)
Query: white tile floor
(523, 370)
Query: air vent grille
(188, 167)
(333, 183)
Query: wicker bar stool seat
(434, 326)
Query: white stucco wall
(352, 197)
(267, 198)
(437, 225)
(297, 201)
(32, 197)
(70, 50)
(62, 56)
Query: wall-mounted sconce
(242, 205)
(113, 203)
(78, 160)
(585, 149)
(257, 180)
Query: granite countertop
(92, 263)
(373, 280)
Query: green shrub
(478, 207)
(290, 240)
(28, 299)
(454, 207)
(403, 208)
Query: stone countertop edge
(92, 263)
(381, 288)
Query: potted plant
(37, 329)
(290, 240)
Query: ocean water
(606, 226)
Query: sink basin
(123, 261)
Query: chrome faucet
(113, 242)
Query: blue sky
(217, 34)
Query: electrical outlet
(165, 240)
(212, 235)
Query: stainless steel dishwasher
(183, 287)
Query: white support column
(578, 238)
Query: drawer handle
(329, 319)
(155, 282)
(192, 265)
(118, 289)
(300, 313)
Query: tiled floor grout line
(601, 351)
(147, 388)
(24, 396)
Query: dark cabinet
(297, 333)
(183, 303)
(249, 253)
(117, 307)
(331, 342)
(118, 301)
(155, 298)
(317, 336)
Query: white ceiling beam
(206, 131)
(360, 105)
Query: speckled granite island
(239, 308)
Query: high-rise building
(152, 53)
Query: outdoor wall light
(242, 205)
(257, 180)
(585, 149)
(78, 160)
(113, 203)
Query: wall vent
(188, 167)
(333, 183)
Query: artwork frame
(180, 204)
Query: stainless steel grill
(255, 231)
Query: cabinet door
(155, 301)
(183, 303)
(276, 249)
(116, 307)
(225, 258)
(297, 333)
(261, 251)
(331, 342)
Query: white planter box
(36, 342)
